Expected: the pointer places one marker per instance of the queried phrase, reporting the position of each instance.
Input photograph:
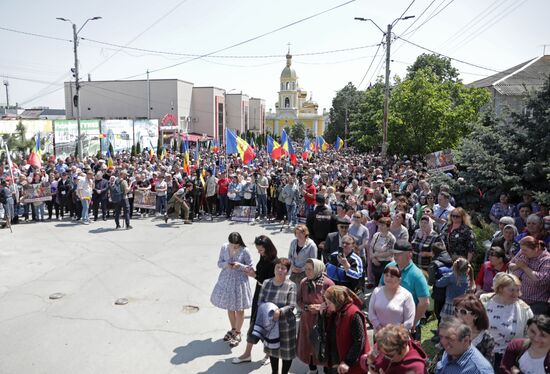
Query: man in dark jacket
(320, 222)
(99, 196)
(64, 190)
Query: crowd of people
(362, 226)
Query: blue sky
(496, 34)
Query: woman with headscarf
(422, 242)
(309, 300)
(349, 328)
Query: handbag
(318, 339)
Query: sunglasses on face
(462, 312)
(456, 216)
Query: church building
(294, 107)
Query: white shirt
(529, 365)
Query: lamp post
(387, 34)
(76, 98)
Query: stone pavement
(163, 270)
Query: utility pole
(7, 84)
(76, 98)
(386, 94)
(148, 96)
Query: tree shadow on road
(101, 230)
(199, 348)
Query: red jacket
(310, 200)
(414, 361)
(343, 335)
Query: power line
(35, 34)
(419, 17)
(431, 17)
(370, 65)
(499, 17)
(229, 56)
(451, 58)
(24, 79)
(402, 14)
(247, 40)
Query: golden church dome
(288, 73)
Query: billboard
(440, 161)
(119, 133)
(146, 133)
(66, 136)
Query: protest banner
(243, 213)
(33, 193)
(440, 161)
(145, 199)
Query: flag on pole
(292, 153)
(284, 143)
(339, 143)
(35, 158)
(322, 145)
(235, 144)
(273, 148)
(186, 164)
(163, 153)
(109, 159)
(197, 156)
(305, 153)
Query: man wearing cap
(320, 222)
(333, 241)
(413, 280)
(123, 204)
(179, 204)
(262, 184)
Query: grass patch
(427, 334)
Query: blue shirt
(471, 362)
(413, 280)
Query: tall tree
(298, 131)
(344, 105)
(366, 123)
(440, 66)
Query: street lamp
(76, 98)
(387, 34)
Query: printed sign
(36, 192)
(66, 136)
(145, 199)
(119, 133)
(146, 133)
(243, 213)
(440, 161)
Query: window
(287, 85)
(287, 102)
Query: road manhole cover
(190, 309)
(57, 295)
(121, 301)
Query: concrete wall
(237, 109)
(204, 114)
(128, 99)
(257, 115)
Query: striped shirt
(471, 362)
(534, 291)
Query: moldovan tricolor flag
(292, 153)
(235, 144)
(339, 143)
(35, 158)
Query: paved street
(159, 268)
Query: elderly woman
(310, 298)
(422, 242)
(265, 269)
(350, 328)
(380, 248)
(234, 195)
(395, 353)
(497, 263)
(232, 290)
(459, 236)
(507, 314)
(506, 241)
(282, 292)
(531, 355)
(391, 303)
(301, 249)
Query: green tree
(298, 131)
(344, 105)
(138, 148)
(440, 66)
(512, 154)
(287, 129)
(366, 123)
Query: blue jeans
(262, 205)
(309, 209)
(223, 204)
(85, 210)
(291, 213)
(161, 204)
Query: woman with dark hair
(391, 303)
(498, 262)
(282, 292)
(265, 269)
(310, 298)
(232, 290)
(301, 248)
(349, 327)
(531, 355)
